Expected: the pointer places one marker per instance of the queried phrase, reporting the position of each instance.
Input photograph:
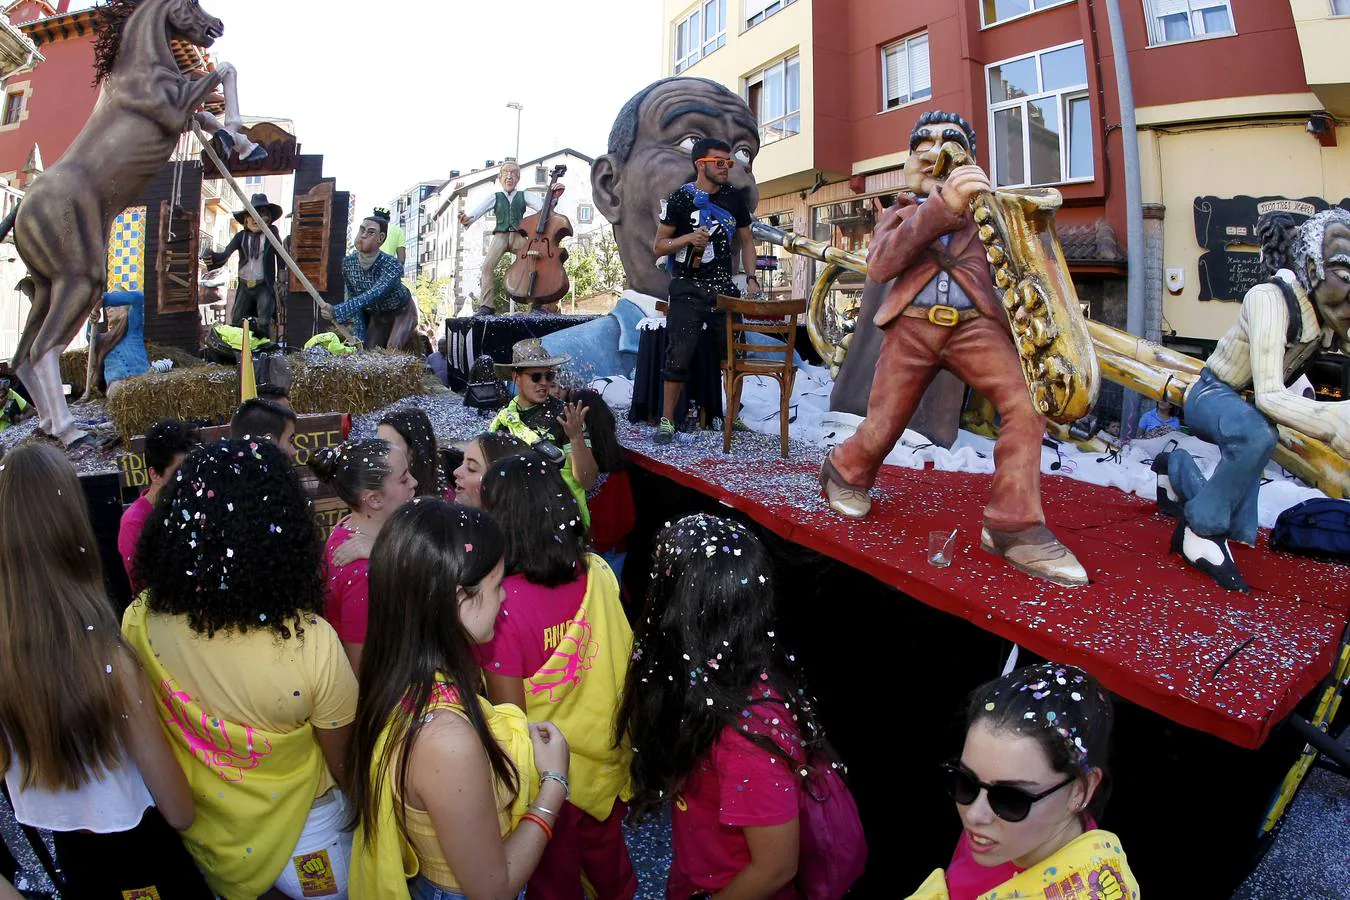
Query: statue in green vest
(509, 209)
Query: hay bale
(73, 365)
(354, 384)
(203, 393)
(358, 383)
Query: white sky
(392, 93)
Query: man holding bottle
(700, 224)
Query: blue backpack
(1319, 527)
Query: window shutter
(1169, 7)
(311, 231)
(896, 81)
(755, 7)
(176, 259)
(920, 76)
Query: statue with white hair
(1240, 397)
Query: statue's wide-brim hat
(269, 211)
(529, 354)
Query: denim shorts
(421, 889)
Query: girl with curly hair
(560, 651)
(257, 696)
(720, 726)
(1029, 786)
(440, 775)
(372, 478)
(81, 746)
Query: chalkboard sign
(1226, 229)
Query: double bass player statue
(512, 230)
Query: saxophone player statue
(1303, 309)
(943, 312)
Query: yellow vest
(1091, 865)
(509, 420)
(382, 858)
(580, 687)
(252, 789)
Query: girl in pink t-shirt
(547, 580)
(716, 721)
(372, 478)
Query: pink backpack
(833, 850)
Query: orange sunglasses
(719, 162)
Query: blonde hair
(63, 697)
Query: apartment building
(406, 212)
(1237, 103)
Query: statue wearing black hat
(256, 296)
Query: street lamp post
(517, 107)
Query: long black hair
(545, 539)
(704, 652)
(1275, 235)
(601, 429)
(425, 553)
(414, 426)
(1063, 709)
(232, 544)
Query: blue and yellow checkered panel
(126, 251)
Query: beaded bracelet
(531, 817)
(558, 777)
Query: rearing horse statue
(61, 227)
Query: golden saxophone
(1017, 229)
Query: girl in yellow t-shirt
(255, 693)
(457, 794)
(1029, 785)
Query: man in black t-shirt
(700, 223)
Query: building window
(253, 181)
(775, 99)
(585, 213)
(757, 11)
(14, 102)
(1182, 20)
(1040, 118)
(700, 33)
(995, 11)
(541, 175)
(1340, 7)
(905, 76)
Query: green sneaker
(665, 432)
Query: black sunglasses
(537, 377)
(1011, 804)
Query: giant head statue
(648, 158)
(1322, 265)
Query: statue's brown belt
(941, 314)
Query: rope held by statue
(267, 232)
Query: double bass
(537, 276)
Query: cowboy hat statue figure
(256, 296)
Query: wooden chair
(775, 318)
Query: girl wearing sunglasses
(1029, 786)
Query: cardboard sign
(311, 433)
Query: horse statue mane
(110, 18)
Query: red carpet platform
(1151, 629)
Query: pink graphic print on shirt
(577, 653)
(210, 740)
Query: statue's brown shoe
(1037, 552)
(844, 498)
